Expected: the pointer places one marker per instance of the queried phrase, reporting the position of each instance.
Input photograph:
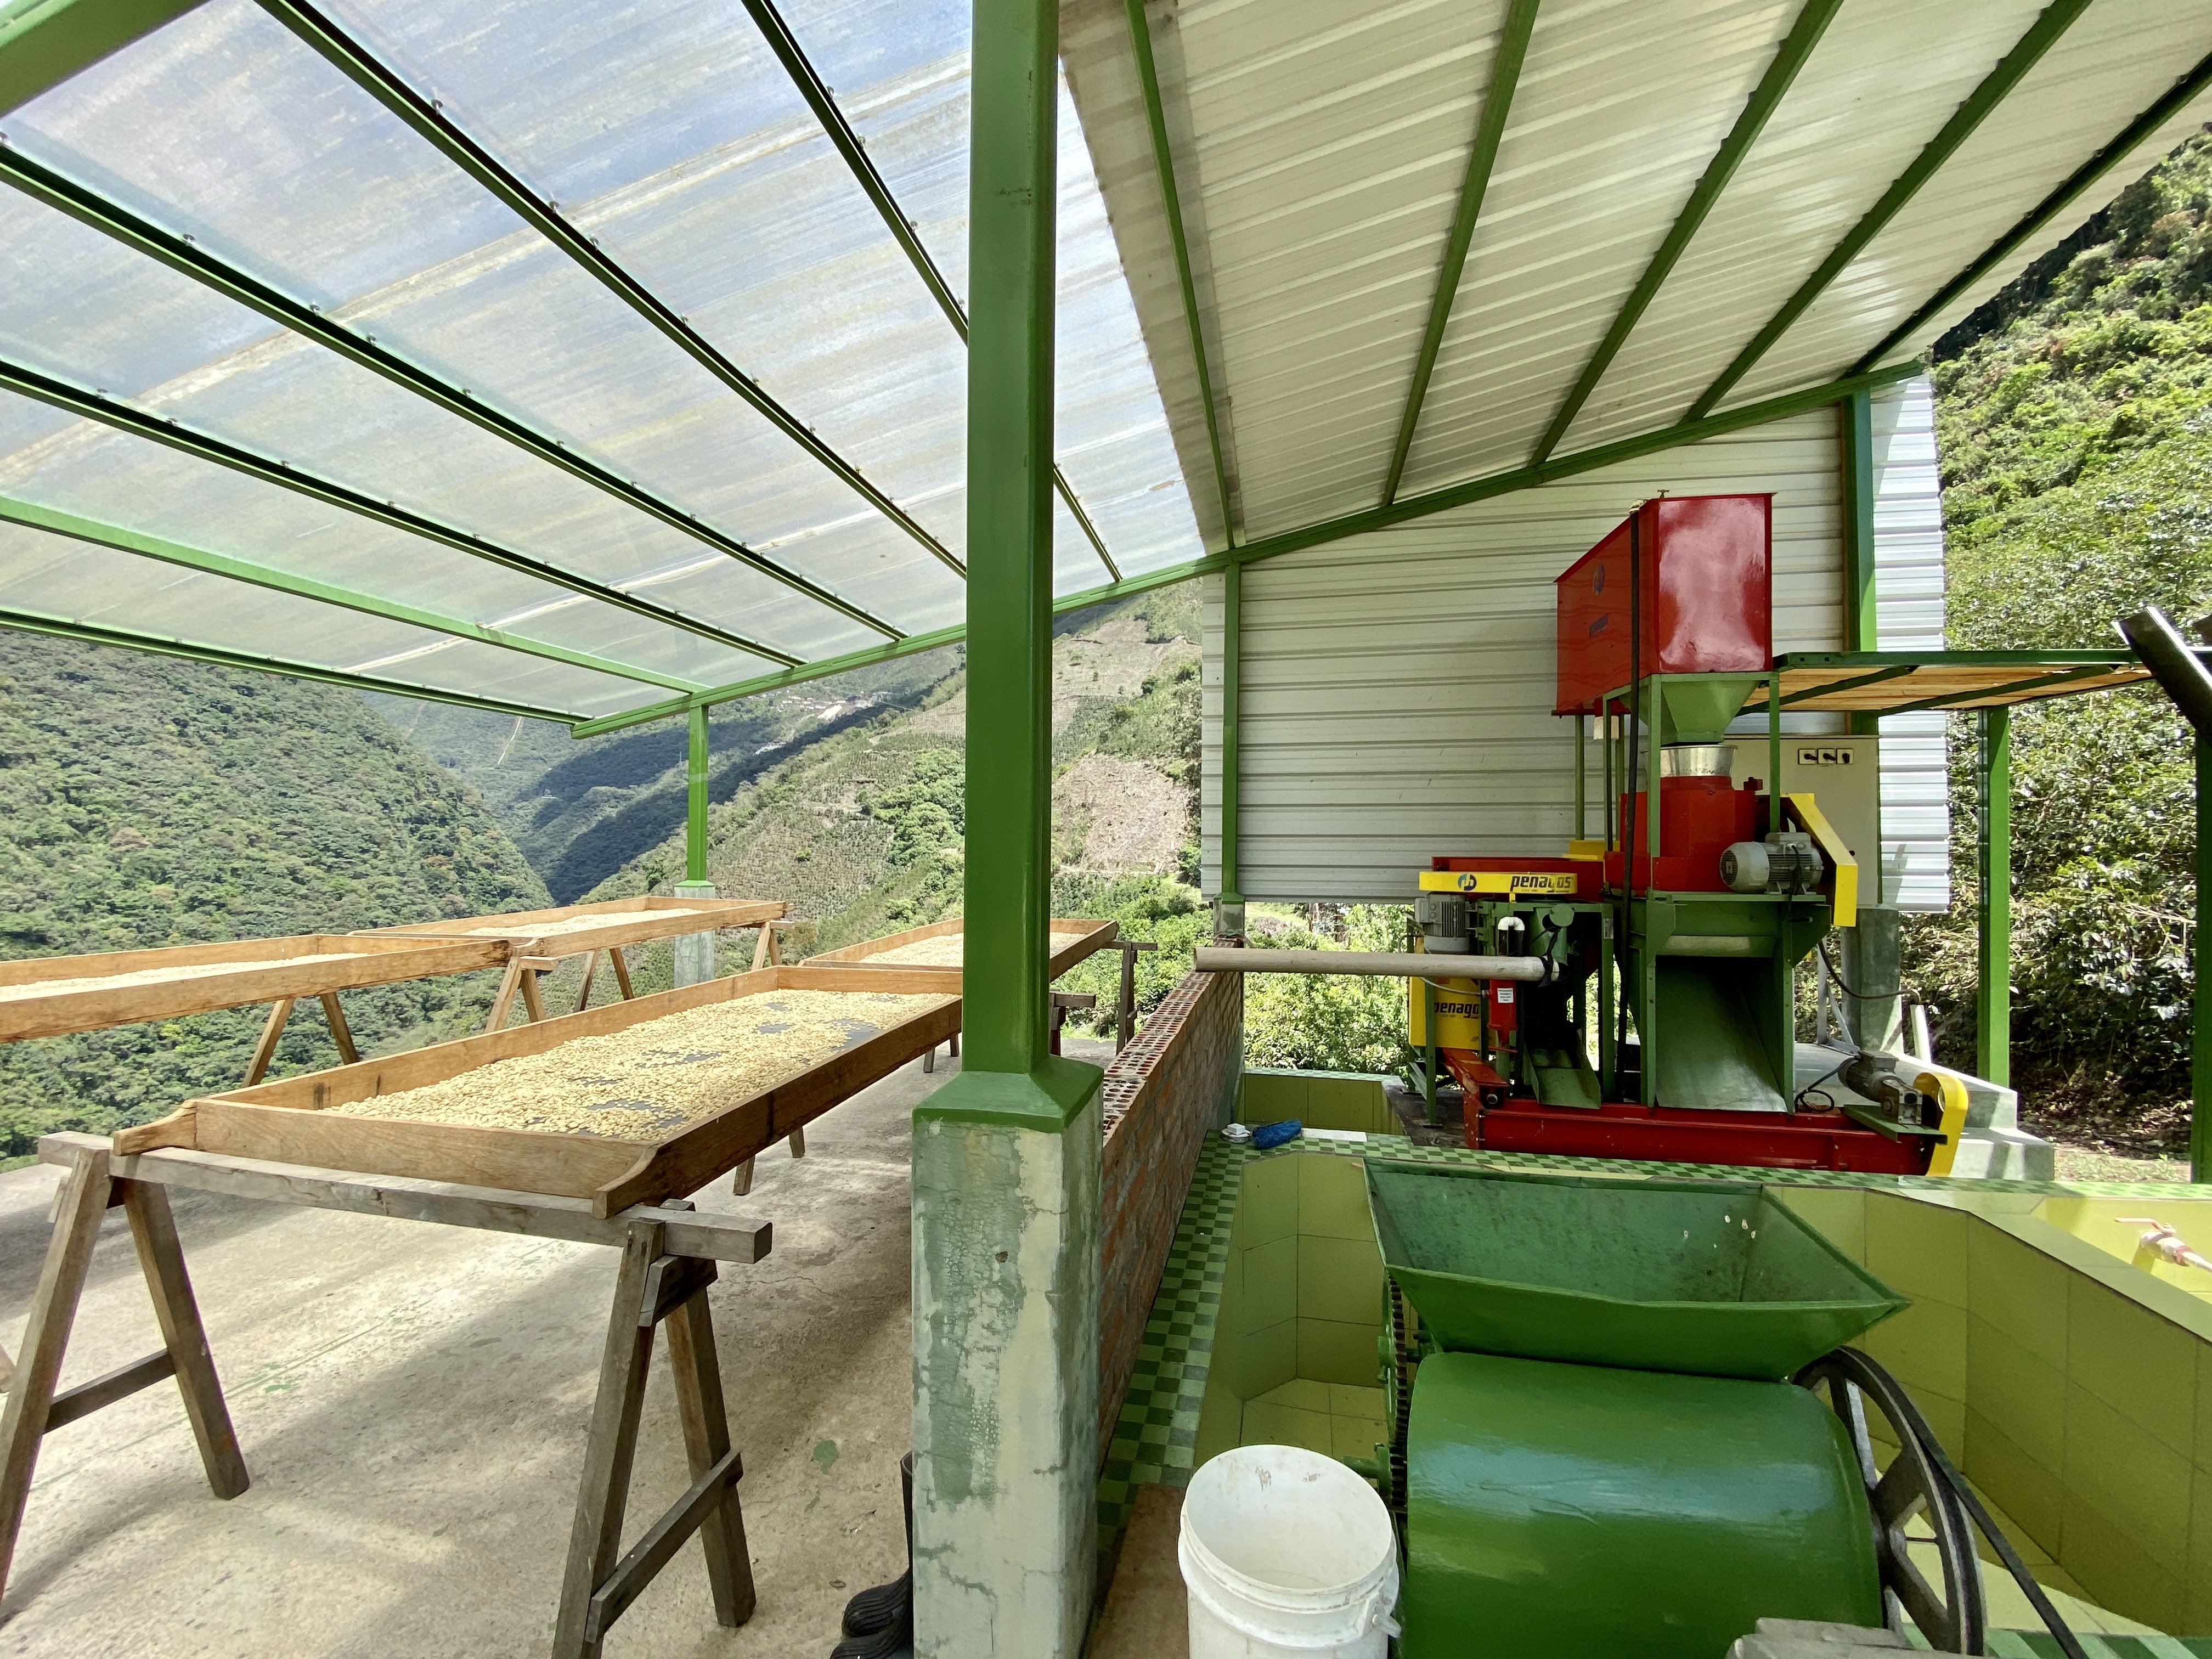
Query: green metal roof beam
(1140, 38)
(540, 212)
(2109, 657)
(2055, 19)
(1567, 466)
(43, 42)
(32, 515)
(97, 406)
(87, 207)
(2177, 98)
(32, 621)
(1127, 587)
(1489, 132)
(1412, 506)
(849, 144)
(1790, 58)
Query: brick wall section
(1164, 1094)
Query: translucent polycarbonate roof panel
(57, 577)
(672, 135)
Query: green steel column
(695, 819)
(2200, 1046)
(1993, 999)
(1006, 1155)
(1232, 716)
(1855, 415)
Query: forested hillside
(147, 802)
(2075, 416)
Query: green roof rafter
(1506, 63)
(43, 42)
(850, 145)
(1140, 38)
(2176, 99)
(1293, 541)
(2043, 33)
(1812, 22)
(35, 517)
(430, 122)
(356, 344)
(32, 621)
(97, 406)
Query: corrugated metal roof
(1319, 153)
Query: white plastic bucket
(1285, 1550)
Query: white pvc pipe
(1380, 965)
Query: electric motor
(1786, 862)
(1444, 923)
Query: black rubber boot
(886, 1608)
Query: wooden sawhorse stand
(669, 1252)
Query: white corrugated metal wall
(1398, 685)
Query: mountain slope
(2075, 416)
(860, 829)
(147, 802)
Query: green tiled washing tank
(1713, 1278)
(1603, 1459)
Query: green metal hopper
(1710, 1278)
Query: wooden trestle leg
(598, 1588)
(33, 1407)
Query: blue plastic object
(1269, 1136)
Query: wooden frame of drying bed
(629, 922)
(254, 970)
(1095, 936)
(284, 1122)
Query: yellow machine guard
(1833, 848)
(1505, 883)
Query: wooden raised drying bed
(1072, 941)
(569, 930)
(288, 1122)
(53, 996)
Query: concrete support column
(695, 953)
(1006, 1155)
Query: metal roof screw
(437, 103)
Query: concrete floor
(412, 1402)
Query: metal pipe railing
(1377, 965)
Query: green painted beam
(1012, 199)
(848, 144)
(2200, 1027)
(1812, 22)
(1232, 716)
(1506, 59)
(1148, 75)
(1993, 861)
(2175, 100)
(357, 344)
(2055, 19)
(1567, 466)
(43, 42)
(424, 115)
(912, 644)
(695, 798)
(1381, 517)
(97, 406)
(62, 627)
(1861, 614)
(51, 519)
(2067, 659)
